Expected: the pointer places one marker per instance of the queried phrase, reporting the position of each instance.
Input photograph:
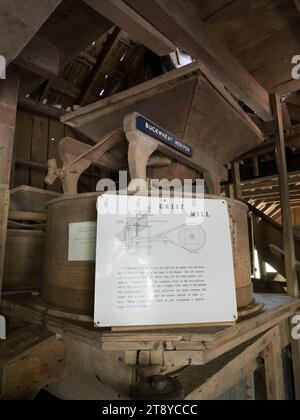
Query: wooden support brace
(8, 108)
(237, 185)
(288, 233)
(77, 158)
(4, 208)
(142, 146)
(274, 369)
(140, 150)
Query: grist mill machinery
(139, 140)
(196, 129)
(70, 285)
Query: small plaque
(158, 133)
(82, 241)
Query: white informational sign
(82, 241)
(163, 269)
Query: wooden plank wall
(36, 142)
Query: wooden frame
(231, 354)
(8, 108)
(288, 233)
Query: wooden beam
(139, 28)
(42, 167)
(40, 57)
(237, 185)
(267, 193)
(289, 87)
(66, 88)
(269, 147)
(288, 233)
(179, 24)
(8, 108)
(4, 207)
(41, 109)
(19, 22)
(105, 52)
(24, 216)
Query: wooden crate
(30, 359)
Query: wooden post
(8, 108)
(274, 369)
(255, 167)
(288, 233)
(237, 184)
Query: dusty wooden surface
(30, 359)
(208, 361)
(212, 341)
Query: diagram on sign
(138, 237)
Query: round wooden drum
(69, 285)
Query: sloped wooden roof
(263, 35)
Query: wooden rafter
(139, 28)
(179, 24)
(19, 22)
(292, 140)
(40, 57)
(105, 52)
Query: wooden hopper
(186, 102)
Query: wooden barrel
(24, 254)
(70, 284)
